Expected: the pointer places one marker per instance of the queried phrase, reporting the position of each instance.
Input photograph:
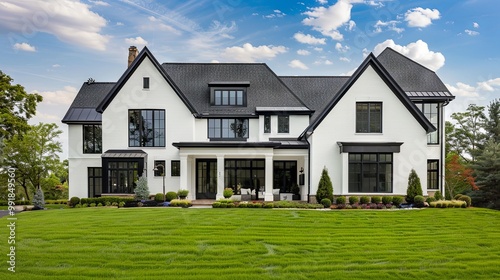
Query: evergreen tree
(467, 137)
(492, 123)
(141, 190)
(488, 174)
(38, 199)
(325, 187)
(414, 187)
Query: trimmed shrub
(170, 196)
(184, 203)
(159, 197)
(376, 199)
(438, 195)
(414, 187)
(457, 196)
(216, 204)
(228, 192)
(386, 200)
(419, 200)
(141, 190)
(364, 200)
(92, 204)
(325, 187)
(467, 199)
(353, 200)
(121, 204)
(74, 201)
(108, 203)
(340, 200)
(397, 200)
(430, 199)
(268, 205)
(326, 202)
(182, 194)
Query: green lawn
(165, 243)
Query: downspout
(442, 154)
(309, 169)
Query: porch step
(202, 202)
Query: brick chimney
(132, 54)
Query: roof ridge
(317, 76)
(405, 57)
(213, 63)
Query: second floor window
(146, 128)
(145, 82)
(283, 124)
(267, 124)
(92, 139)
(431, 112)
(228, 97)
(368, 117)
(228, 128)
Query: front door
(206, 178)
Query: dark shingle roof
(86, 101)
(316, 92)
(265, 88)
(413, 77)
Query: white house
(209, 126)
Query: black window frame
(175, 168)
(236, 169)
(218, 99)
(284, 175)
(94, 181)
(92, 144)
(283, 123)
(367, 128)
(158, 130)
(145, 82)
(267, 123)
(433, 174)
(365, 161)
(216, 129)
(159, 168)
(433, 138)
(121, 169)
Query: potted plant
(228, 192)
(182, 194)
(296, 192)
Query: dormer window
(145, 83)
(228, 97)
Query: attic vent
(90, 81)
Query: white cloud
(136, 41)
(59, 97)
(308, 39)
(303, 52)
(351, 25)
(276, 13)
(24, 47)
(471, 32)
(374, 3)
(489, 85)
(159, 25)
(249, 53)
(318, 49)
(328, 62)
(99, 3)
(328, 20)
(119, 24)
(298, 64)
(340, 48)
(418, 51)
(56, 66)
(420, 17)
(344, 59)
(475, 24)
(322, 2)
(391, 25)
(70, 21)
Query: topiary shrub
(414, 186)
(159, 197)
(397, 200)
(386, 200)
(467, 199)
(418, 201)
(325, 187)
(74, 201)
(340, 200)
(326, 202)
(38, 200)
(353, 200)
(228, 192)
(170, 196)
(141, 190)
(364, 200)
(376, 199)
(438, 195)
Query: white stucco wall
(398, 125)
(297, 125)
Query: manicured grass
(165, 243)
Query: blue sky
(52, 47)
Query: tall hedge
(414, 187)
(325, 187)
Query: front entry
(206, 178)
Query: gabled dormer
(228, 93)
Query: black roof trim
(124, 78)
(382, 72)
(370, 147)
(227, 116)
(226, 144)
(229, 83)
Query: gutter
(308, 169)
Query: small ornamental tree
(325, 188)
(38, 199)
(414, 187)
(142, 190)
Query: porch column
(268, 193)
(184, 185)
(220, 177)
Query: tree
(467, 136)
(16, 107)
(325, 187)
(414, 186)
(38, 199)
(34, 156)
(492, 123)
(141, 190)
(458, 177)
(487, 170)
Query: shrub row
(227, 203)
(395, 200)
(16, 202)
(105, 200)
(184, 203)
(448, 204)
(54, 201)
(364, 206)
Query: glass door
(206, 178)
